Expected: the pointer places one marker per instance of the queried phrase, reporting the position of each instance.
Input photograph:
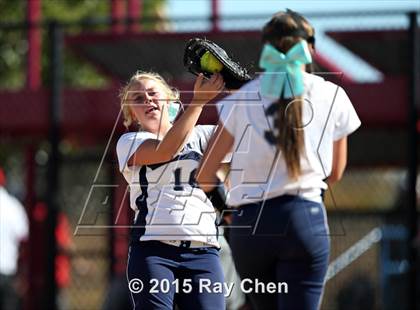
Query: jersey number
(191, 181)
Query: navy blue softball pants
(174, 275)
(284, 240)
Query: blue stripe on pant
(155, 260)
(290, 244)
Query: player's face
(148, 104)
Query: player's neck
(160, 132)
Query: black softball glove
(205, 56)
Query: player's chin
(152, 115)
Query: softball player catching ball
(174, 246)
(288, 132)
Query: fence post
(412, 157)
(33, 67)
(215, 15)
(55, 83)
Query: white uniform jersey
(168, 203)
(256, 172)
(13, 229)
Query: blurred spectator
(65, 247)
(236, 300)
(13, 230)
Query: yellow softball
(210, 63)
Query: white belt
(190, 244)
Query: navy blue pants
(285, 240)
(173, 275)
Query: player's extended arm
(219, 145)
(339, 160)
(154, 151)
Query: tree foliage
(77, 72)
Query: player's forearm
(339, 160)
(213, 156)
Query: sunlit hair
(283, 31)
(171, 93)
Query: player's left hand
(207, 89)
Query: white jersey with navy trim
(168, 204)
(256, 173)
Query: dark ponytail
(283, 31)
